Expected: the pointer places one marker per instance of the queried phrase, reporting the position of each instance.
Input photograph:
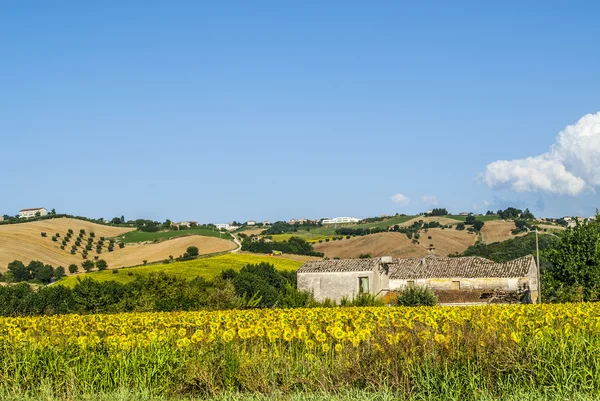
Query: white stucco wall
(337, 285)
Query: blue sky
(216, 111)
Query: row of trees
(35, 271)
(294, 245)
(41, 273)
(282, 227)
(512, 213)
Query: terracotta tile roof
(429, 267)
(466, 267)
(344, 265)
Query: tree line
(294, 245)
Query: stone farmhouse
(456, 281)
(27, 213)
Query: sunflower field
(417, 352)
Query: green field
(328, 230)
(482, 218)
(203, 267)
(141, 236)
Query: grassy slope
(205, 267)
(140, 236)
(482, 218)
(328, 230)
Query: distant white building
(341, 220)
(251, 223)
(266, 223)
(226, 226)
(28, 213)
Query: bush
(54, 238)
(101, 265)
(92, 234)
(121, 245)
(130, 273)
(70, 231)
(82, 231)
(59, 272)
(365, 256)
(115, 271)
(73, 268)
(145, 262)
(192, 251)
(460, 226)
(416, 296)
(44, 234)
(87, 265)
(57, 235)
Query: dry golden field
(24, 242)
(398, 245)
(498, 230)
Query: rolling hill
(398, 245)
(208, 268)
(24, 242)
(446, 242)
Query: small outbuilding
(460, 280)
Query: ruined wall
(491, 283)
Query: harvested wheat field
(398, 245)
(498, 230)
(254, 231)
(135, 254)
(24, 242)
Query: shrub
(121, 245)
(82, 231)
(416, 296)
(429, 237)
(115, 271)
(87, 265)
(96, 257)
(102, 239)
(145, 262)
(73, 268)
(110, 248)
(70, 231)
(365, 256)
(348, 237)
(460, 226)
(92, 234)
(44, 234)
(54, 238)
(101, 265)
(192, 251)
(57, 235)
(59, 272)
(88, 247)
(130, 273)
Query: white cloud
(429, 199)
(400, 199)
(571, 166)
